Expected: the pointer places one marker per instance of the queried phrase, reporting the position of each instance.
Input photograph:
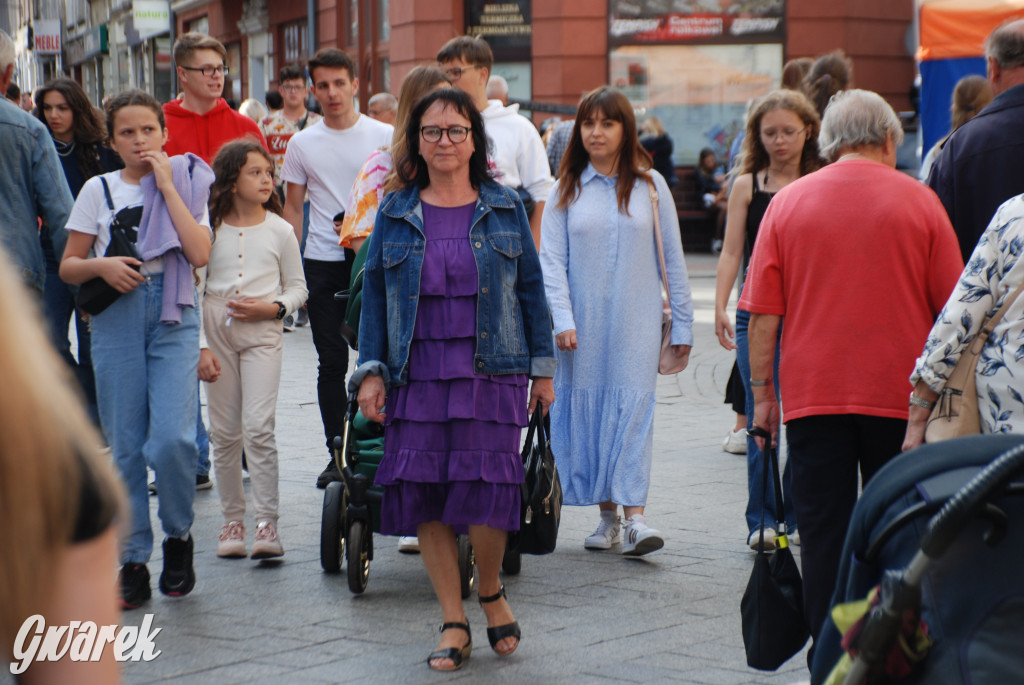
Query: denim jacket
(513, 324)
(32, 186)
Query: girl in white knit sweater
(254, 279)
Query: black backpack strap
(303, 120)
(106, 192)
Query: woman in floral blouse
(992, 274)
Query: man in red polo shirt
(201, 121)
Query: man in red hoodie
(201, 121)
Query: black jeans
(326, 315)
(825, 453)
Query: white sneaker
(231, 543)
(289, 323)
(794, 538)
(769, 539)
(735, 442)
(409, 544)
(267, 544)
(608, 533)
(639, 538)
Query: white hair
(386, 100)
(7, 53)
(857, 118)
(497, 88)
(253, 109)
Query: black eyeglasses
(456, 134)
(210, 70)
(455, 73)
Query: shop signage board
(506, 26)
(88, 46)
(151, 17)
(716, 22)
(46, 37)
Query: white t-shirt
(517, 149)
(91, 214)
(327, 161)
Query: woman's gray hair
(857, 118)
(7, 51)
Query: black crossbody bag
(95, 295)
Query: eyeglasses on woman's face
(456, 134)
(788, 134)
(209, 70)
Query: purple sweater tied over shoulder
(157, 235)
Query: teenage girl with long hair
(780, 146)
(254, 255)
(601, 276)
(145, 346)
(80, 137)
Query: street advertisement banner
(151, 17)
(632, 22)
(506, 26)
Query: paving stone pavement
(587, 617)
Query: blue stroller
(937, 539)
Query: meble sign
(46, 37)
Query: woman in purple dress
(454, 323)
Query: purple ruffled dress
(451, 448)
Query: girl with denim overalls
(145, 345)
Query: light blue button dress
(602, 279)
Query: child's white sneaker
(231, 543)
(267, 544)
(639, 538)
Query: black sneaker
(203, 481)
(178, 577)
(328, 475)
(134, 581)
(302, 317)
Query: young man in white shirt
(515, 144)
(324, 159)
(278, 128)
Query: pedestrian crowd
(499, 279)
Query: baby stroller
(936, 543)
(351, 510)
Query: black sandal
(499, 633)
(458, 656)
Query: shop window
(295, 39)
(385, 75)
(700, 92)
(199, 25)
(233, 83)
(353, 23)
(383, 20)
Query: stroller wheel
(512, 562)
(332, 528)
(358, 556)
(467, 566)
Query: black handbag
(772, 608)
(541, 490)
(96, 294)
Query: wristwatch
(920, 401)
(281, 310)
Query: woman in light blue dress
(600, 264)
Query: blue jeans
(756, 506)
(147, 392)
(202, 439)
(59, 307)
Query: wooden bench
(696, 222)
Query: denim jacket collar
(402, 203)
